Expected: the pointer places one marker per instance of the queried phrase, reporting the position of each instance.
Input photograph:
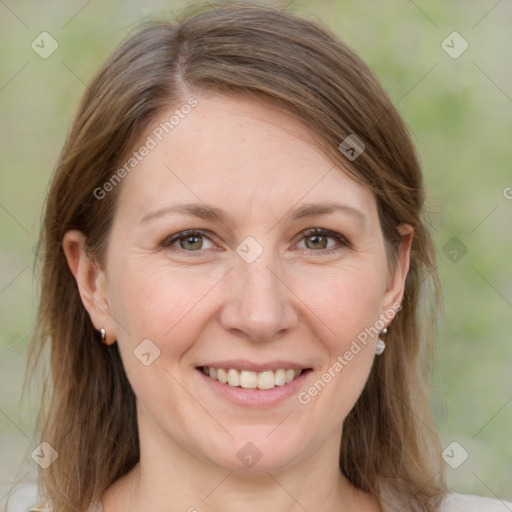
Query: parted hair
(390, 447)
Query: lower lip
(256, 397)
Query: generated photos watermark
(152, 141)
(304, 397)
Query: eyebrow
(206, 212)
(310, 210)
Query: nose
(260, 305)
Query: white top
(25, 498)
(467, 503)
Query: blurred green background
(459, 111)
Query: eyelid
(340, 239)
(170, 240)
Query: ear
(396, 283)
(91, 283)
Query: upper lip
(241, 364)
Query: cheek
(346, 307)
(347, 300)
(170, 308)
(153, 301)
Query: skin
(292, 303)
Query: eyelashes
(195, 238)
(187, 236)
(321, 233)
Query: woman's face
(252, 289)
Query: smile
(245, 379)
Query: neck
(171, 479)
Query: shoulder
(25, 498)
(455, 502)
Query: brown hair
(389, 445)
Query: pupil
(193, 240)
(316, 239)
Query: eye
(321, 241)
(190, 241)
(317, 239)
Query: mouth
(245, 379)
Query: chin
(256, 451)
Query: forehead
(236, 154)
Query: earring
(381, 346)
(103, 335)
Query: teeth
(289, 375)
(248, 380)
(266, 380)
(222, 375)
(233, 377)
(280, 377)
(251, 380)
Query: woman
(238, 284)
